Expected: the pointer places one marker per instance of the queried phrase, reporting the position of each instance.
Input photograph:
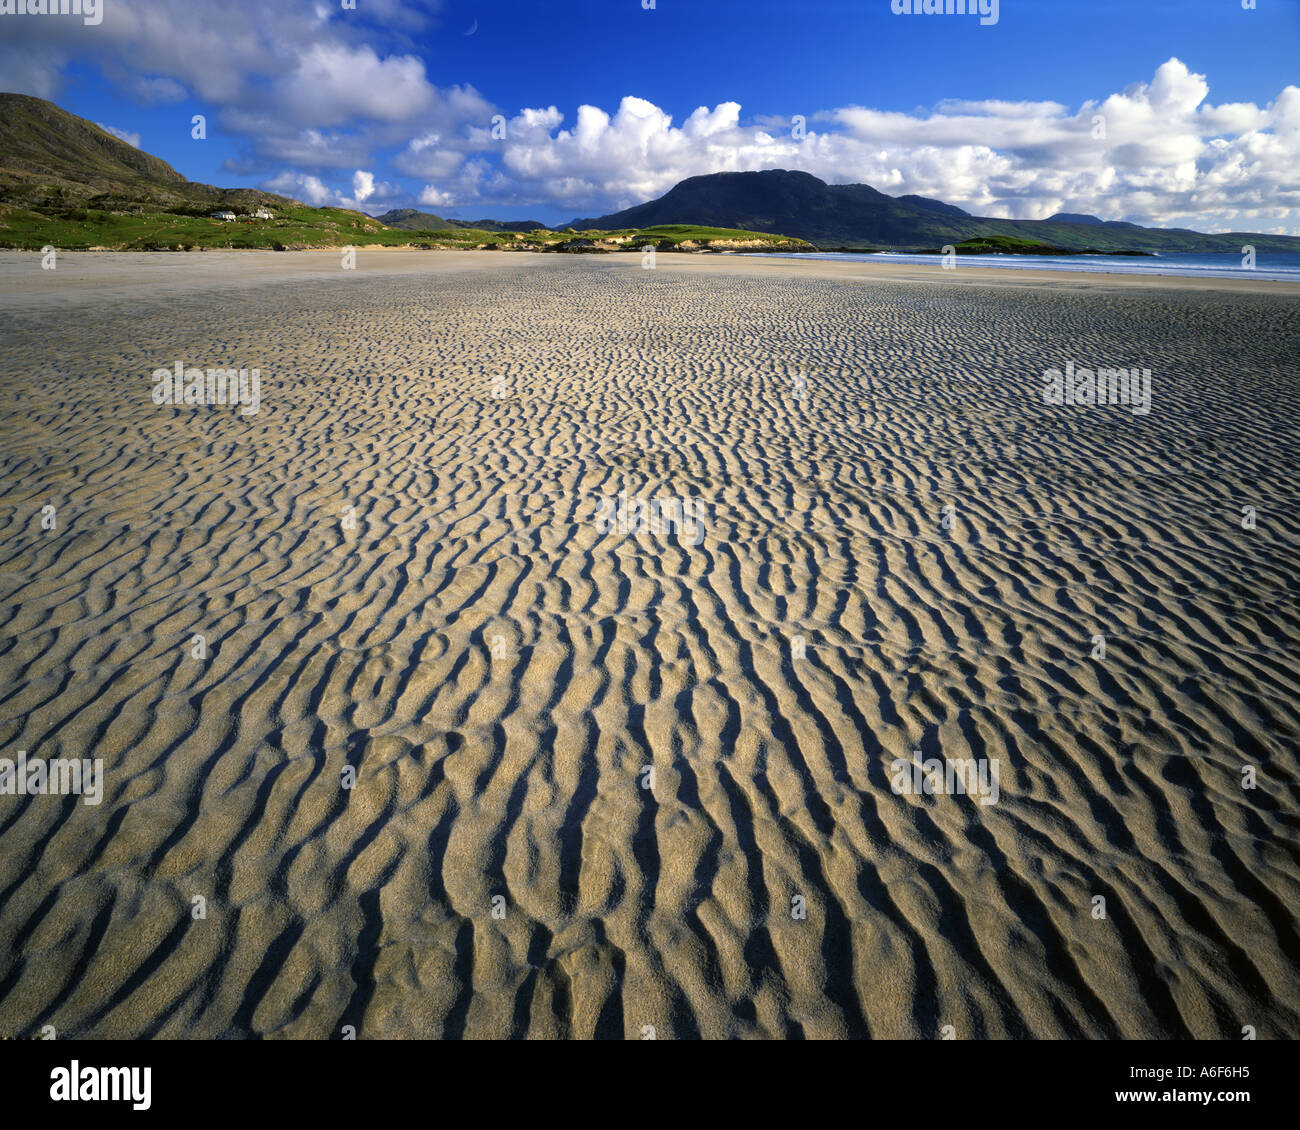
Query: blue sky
(391, 104)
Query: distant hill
(1081, 218)
(503, 225)
(68, 182)
(50, 157)
(799, 205)
(408, 219)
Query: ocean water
(1282, 266)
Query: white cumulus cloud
(363, 185)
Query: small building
(262, 214)
(228, 216)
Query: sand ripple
(498, 672)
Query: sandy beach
(543, 655)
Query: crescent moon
(474, 28)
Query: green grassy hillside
(298, 227)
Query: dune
(555, 651)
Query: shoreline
(22, 282)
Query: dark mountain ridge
(798, 204)
(409, 219)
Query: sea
(1281, 266)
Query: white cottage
(223, 215)
(262, 214)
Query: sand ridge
(396, 569)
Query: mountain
(1081, 218)
(410, 220)
(797, 204)
(53, 162)
(50, 158)
(791, 203)
(502, 225)
(68, 182)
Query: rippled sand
(498, 671)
